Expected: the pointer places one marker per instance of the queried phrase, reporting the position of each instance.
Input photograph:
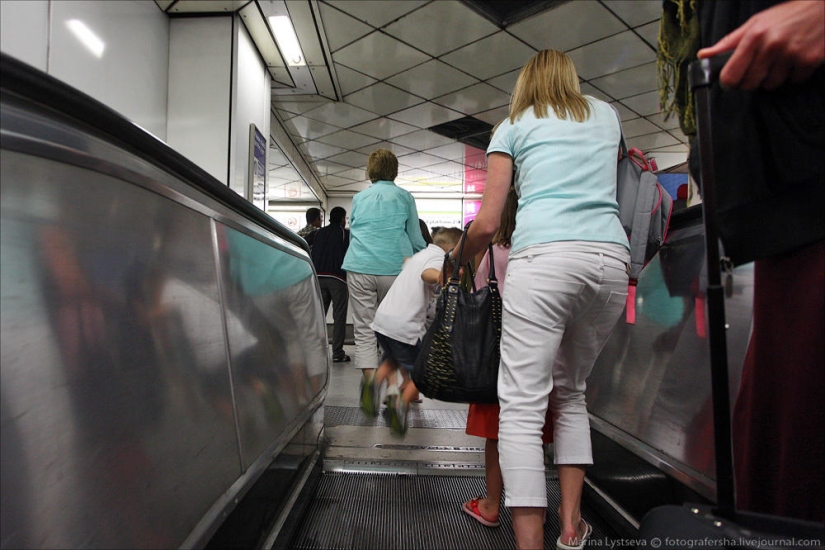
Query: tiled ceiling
(403, 66)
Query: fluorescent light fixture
(86, 36)
(287, 41)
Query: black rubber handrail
(29, 83)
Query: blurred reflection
(118, 424)
(98, 311)
(107, 292)
(15, 498)
(652, 379)
(278, 338)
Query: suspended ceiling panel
(393, 69)
(404, 67)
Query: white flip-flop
(588, 530)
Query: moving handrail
(28, 82)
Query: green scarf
(679, 39)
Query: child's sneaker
(398, 416)
(370, 398)
(389, 400)
(391, 390)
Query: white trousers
(562, 301)
(366, 292)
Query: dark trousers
(779, 420)
(335, 291)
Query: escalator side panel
(113, 360)
(124, 423)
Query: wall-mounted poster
(256, 181)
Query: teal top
(384, 230)
(565, 176)
(261, 268)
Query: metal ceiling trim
(255, 22)
(198, 7)
(491, 9)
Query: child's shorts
(400, 352)
(482, 421)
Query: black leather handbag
(459, 356)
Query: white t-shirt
(403, 312)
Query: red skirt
(482, 421)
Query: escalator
(157, 392)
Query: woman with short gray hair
(384, 230)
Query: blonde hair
(549, 79)
(447, 237)
(382, 165)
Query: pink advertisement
(471, 207)
(475, 170)
(475, 179)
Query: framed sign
(256, 180)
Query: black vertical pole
(702, 75)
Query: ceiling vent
(468, 130)
(507, 12)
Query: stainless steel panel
(276, 333)
(114, 378)
(118, 411)
(652, 380)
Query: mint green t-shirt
(565, 176)
(384, 230)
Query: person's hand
(444, 276)
(784, 42)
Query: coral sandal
(588, 530)
(471, 508)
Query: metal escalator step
(392, 511)
(403, 467)
(418, 418)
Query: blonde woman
(566, 282)
(482, 418)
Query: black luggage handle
(702, 75)
(705, 72)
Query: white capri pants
(562, 301)
(366, 292)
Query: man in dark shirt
(313, 216)
(328, 250)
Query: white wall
(195, 83)
(440, 212)
(129, 75)
(218, 86)
(24, 30)
(200, 77)
(251, 101)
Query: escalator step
(418, 418)
(376, 511)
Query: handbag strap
(456, 267)
(491, 277)
(454, 278)
(452, 286)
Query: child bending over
(400, 324)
